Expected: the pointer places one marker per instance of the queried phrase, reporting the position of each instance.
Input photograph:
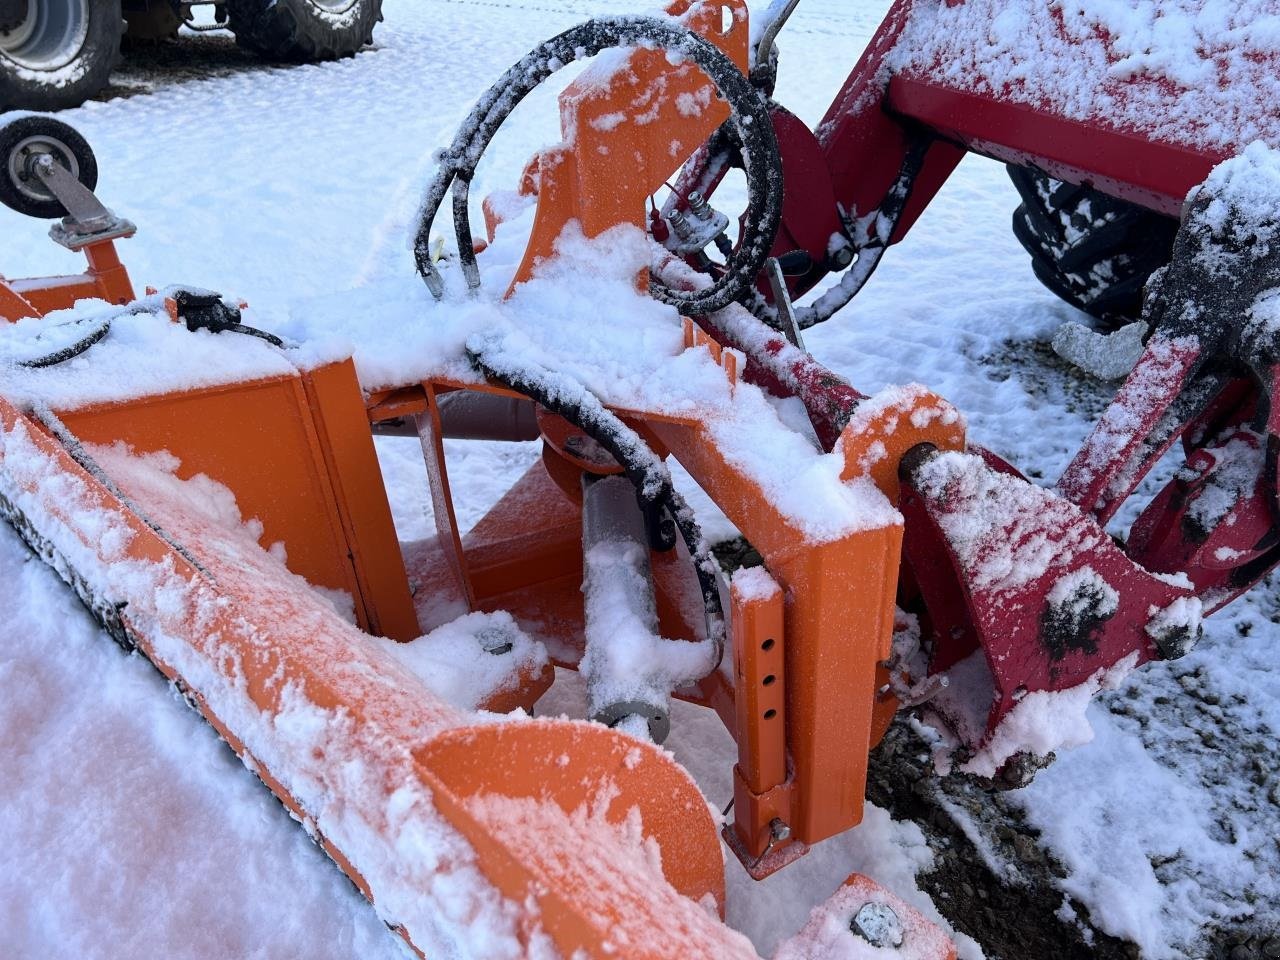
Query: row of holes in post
(770, 679)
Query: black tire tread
(1090, 249)
(286, 31)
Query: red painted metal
(865, 145)
(978, 599)
(839, 175)
(1215, 521)
(1116, 455)
(1126, 164)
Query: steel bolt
(680, 224)
(779, 830)
(877, 924)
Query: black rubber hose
(197, 311)
(887, 217)
(69, 352)
(749, 116)
(655, 493)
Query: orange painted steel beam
(297, 453)
(351, 463)
(839, 617)
(13, 305)
(106, 279)
(761, 830)
(759, 674)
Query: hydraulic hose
(661, 504)
(879, 232)
(749, 118)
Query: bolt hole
(767, 645)
(726, 19)
(768, 681)
(770, 714)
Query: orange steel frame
(303, 463)
(804, 700)
(803, 706)
(106, 279)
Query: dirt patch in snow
(994, 880)
(1051, 380)
(183, 59)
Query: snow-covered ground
(127, 829)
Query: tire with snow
(59, 53)
(1092, 250)
(304, 30)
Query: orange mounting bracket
(626, 131)
(106, 279)
(760, 835)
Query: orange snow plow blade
(370, 758)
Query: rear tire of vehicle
(48, 71)
(27, 138)
(303, 30)
(1092, 250)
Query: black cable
(249, 331)
(198, 310)
(68, 353)
(206, 310)
(749, 116)
(661, 504)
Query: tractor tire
(303, 30)
(160, 21)
(61, 53)
(1092, 250)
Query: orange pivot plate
(885, 924)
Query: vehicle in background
(59, 53)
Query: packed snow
(160, 842)
(1184, 70)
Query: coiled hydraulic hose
(749, 117)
